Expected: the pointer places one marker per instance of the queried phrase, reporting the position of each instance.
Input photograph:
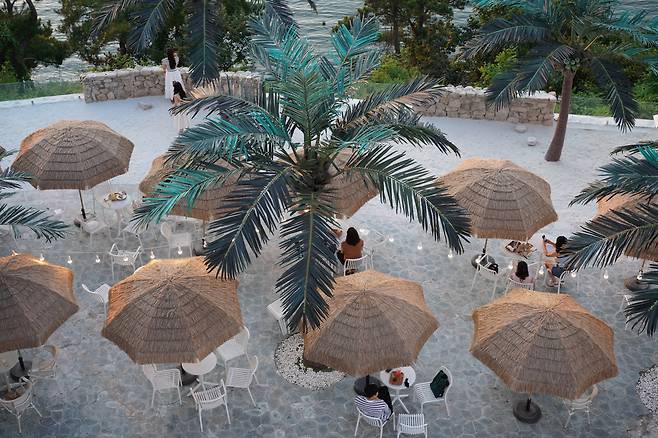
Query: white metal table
(206, 365)
(409, 376)
(117, 207)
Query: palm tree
(203, 34)
(563, 37)
(601, 241)
(283, 152)
(18, 216)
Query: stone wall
(462, 102)
(470, 103)
(149, 81)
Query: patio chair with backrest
(176, 240)
(511, 284)
(100, 294)
(162, 380)
(353, 266)
(45, 368)
(242, 377)
(373, 421)
(412, 424)
(488, 274)
(93, 227)
(22, 403)
(124, 257)
(276, 310)
(582, 403)
(424, 395)
(567, 276)
(210, 399)
(234, 347)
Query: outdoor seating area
(157, 347)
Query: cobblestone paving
(100, 392)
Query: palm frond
(353, 47)
(215, 103)
(396, 98)
(281, 9)
(307, 100)
(410, 189)
(108, 13)
(11, 179)
(631, 24)
(228, 136)
(502, 32)
(258, 203)
(203, 38)
(148, 21)
(601, 241)
(308, 258)
(35, 220)
(642, 309)
(634, 148)
(529, 75)
(629, 175)
(620, 92)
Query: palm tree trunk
(555, 149)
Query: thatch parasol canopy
(172, 310)
(350, 193)
(504, 200)
(375, 322)
(208, 205)
(73, 154)
(35, 298)
(630, 203)
(545, 343)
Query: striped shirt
(372, 408)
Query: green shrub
(7, 73)
(503, 61)
(392, 70)
(118, 62)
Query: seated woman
(553, 267)
(351, 247)
(376, 402)
(521, 275)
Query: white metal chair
(234, 347)
(276, 310)
(101, 294)
(563, 279)
(582, 403)
(412, 424)
(210, 399)
(373, 421)
(93, 227)
(124, 257)
(162, 380)
(357, 265)
(46, 367)
(242, 377)
(625, 301)
(486, 273)
(511, 284)
(176, 240)
(135, 230)
(19, 405)
(424, 395)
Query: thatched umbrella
(504, 201)
(172, 310)
(546, 343)
(35, 298)
(208, 204)
(350, 193)
(631, 204)
(375, 321)
(73, 154)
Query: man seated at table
(375, 403)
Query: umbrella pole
(82, 205)
(526, 411)
(20, 360)
(477, 260)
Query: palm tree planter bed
(289, 363)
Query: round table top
(409, 374)
(117, 205)
(200, 368)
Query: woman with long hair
(172, 73)
(351, 247)
(521, 275)
(555, 251)
(181, 120)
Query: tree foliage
(286, 149)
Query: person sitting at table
(376, 402)
(555, 271)
(351, 247)
(521, 275)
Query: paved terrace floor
(100, 392)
